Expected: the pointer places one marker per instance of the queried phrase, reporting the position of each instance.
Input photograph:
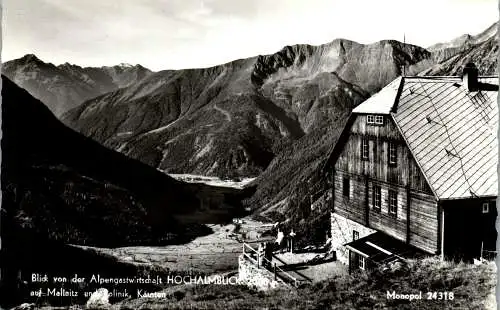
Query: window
(393, 154)
(364, 149)
(345, 187)
(377, 193)
(355, 235)
(393, 202)
(486, 207)
(361, 262)
(375, 119)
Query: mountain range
(272, 116)
(66, 86)
(449, 58)
(233, 119)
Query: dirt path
(225, 112)
(217, 252)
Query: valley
(212, 181)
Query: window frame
(365, 143)
(346, 187)
(377, 190)
(487, 205)
(375, 119)
(392, 147)
(393, 208)
(355, 235)
(361, 262)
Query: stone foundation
(341, 230)
(258, 278)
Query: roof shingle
(451, 132)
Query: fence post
(274, 269)
(258, 259)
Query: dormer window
(375, 119)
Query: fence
(488, 255)
(252, 255)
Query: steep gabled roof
(381, 102)
(451, 132)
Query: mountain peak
(67, 65)
(125, 65)
(30, 58)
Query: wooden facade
(418, 216)
(417, 162)
(416, 226)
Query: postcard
(253, 154)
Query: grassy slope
(59, 184)
(472, 286)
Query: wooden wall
(424, 222)
(393, 225)
(377, 166)
(352, 207)
(418, 226)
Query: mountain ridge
(65, 86)
(449, 57)
(266, 96)
(467, 39)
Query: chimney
(469, 77)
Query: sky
(176, 34)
